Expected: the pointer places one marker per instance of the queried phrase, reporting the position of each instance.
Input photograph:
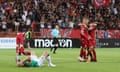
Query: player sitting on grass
(34, 61)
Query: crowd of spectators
(18, 15)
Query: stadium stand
(18, 15)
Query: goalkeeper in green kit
(28, 38)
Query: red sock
(94, 54)
(27, 53)
(81, 52)
(17, 50)
(22, 49)
(89, 54)
(84, 54)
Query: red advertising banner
(75, 33)
(65, 33)
(111, 33)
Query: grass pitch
(66, 61)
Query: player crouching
(34, 61)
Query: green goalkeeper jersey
(31, 64)
(28, 35)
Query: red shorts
(84, 43)
(19, 40)
(92, 43)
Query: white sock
(41, 60)
(49, 60)
(17, 57)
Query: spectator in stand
(57, 12)
(4, 25)
(28, 22)
(105, 34)
(16, 24)
(63, 25)
(71, 24)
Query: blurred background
(42, 15)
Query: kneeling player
(34, 61)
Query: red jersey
(92, 32)
(20, 38)
(20, 34)
(84, 36)
(84, 32)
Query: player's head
(85, 20)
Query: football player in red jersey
(84, 39)
(92, 42)
(20, 44)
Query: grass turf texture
(66, 61)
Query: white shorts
(39, 60)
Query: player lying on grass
(34, 61)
